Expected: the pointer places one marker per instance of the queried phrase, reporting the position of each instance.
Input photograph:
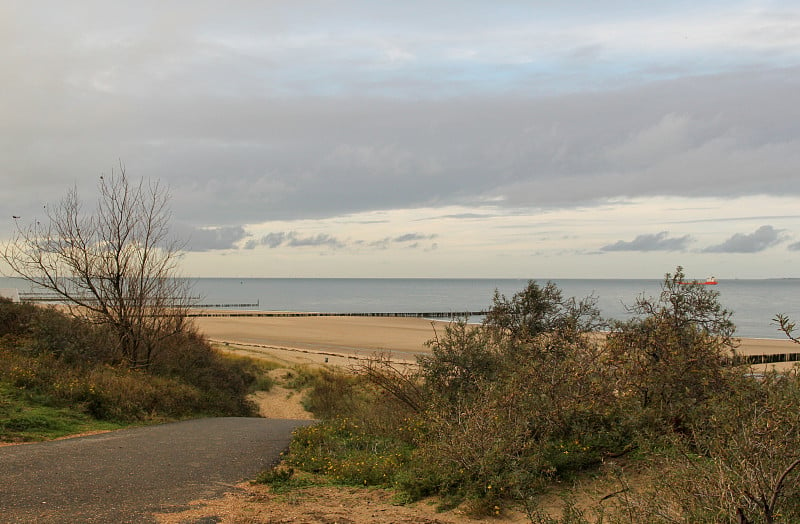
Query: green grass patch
(346, 454)
(25, 419)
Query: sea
(754, 302)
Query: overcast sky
(421, 138)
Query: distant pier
(23, 296)
(223, 306)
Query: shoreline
(346, 339)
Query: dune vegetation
(61, 375)
(534, 402)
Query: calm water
(754, 302)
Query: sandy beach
(343, 340)
(340, 340)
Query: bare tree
(116, 266)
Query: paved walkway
(125, 476)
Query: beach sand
(341, 340)
(344, 340)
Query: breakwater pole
(767, 359)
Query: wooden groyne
(767, 359)
(277, 314)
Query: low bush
(330, 393)
(223, 381)
(259, 368)
(741, 464)
(15, 318)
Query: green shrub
(518, 402)
(274, 476)
(15, 318)
(258, 368)
(263, 383)
(674, 355)
(223, 381)
(71, 339)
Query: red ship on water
(710, 281)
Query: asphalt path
(126, 475)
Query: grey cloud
(209, 238)
(273, 240)
(321, 239)
(293, 239)
(411, 237)
(650, 242)
(794, 247)
(469, 216)
(222, 113)
(235, 161)
(761, 239)
(737, 219)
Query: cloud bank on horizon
(439, 138)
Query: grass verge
(23, 419)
